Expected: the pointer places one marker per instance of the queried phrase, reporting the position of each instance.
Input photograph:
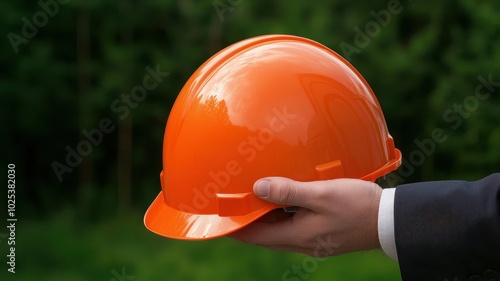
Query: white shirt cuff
(386, 223)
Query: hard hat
(274, 105)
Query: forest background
(434, 65)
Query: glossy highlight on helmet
(273, 105)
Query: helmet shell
(275, 105)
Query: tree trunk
(124, 168)
(83, 54)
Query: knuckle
(321, 194)
(286, 192)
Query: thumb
(285, 191)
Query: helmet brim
(172, 223)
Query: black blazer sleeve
(448, 230)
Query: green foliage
(426, 60)
(52, 251)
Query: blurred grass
(63, 249)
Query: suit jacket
(448, 230)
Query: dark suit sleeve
(448, 230)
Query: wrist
(372, 237)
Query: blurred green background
(64, 64)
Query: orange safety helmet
(275, 105)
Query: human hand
(335, 217)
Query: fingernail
(261, 188)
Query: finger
(285, 191)
(313, 252)
(288, 248)
(282, 248)
(267, 234)
(285, 231)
